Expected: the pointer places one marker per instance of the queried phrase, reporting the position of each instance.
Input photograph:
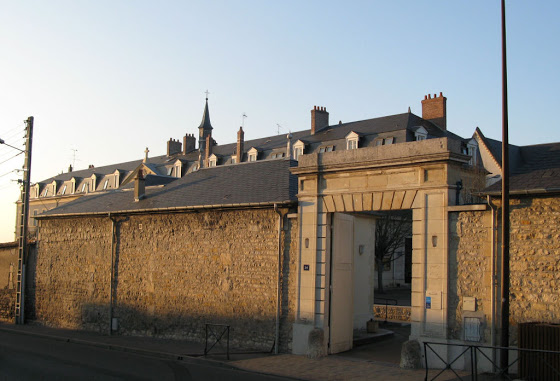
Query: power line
(17, 154)
(7, 173)
(18, 128)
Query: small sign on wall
(435, 300)
(305, 267)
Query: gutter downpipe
(492, 271)
(277, 332)
(111, 275)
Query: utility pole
(504, 339)
(23, 249)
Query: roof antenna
(278, 128)
(243, 120)
(73, 157)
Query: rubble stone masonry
(173, 274)
(534, 265)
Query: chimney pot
(435, 110)
(319, 119)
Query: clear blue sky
(108, 78)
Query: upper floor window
(470, 149)
(352, 140)
(420, 134)
(277, 155)
(233, 159)
(384, 141)
(105, 184)
(63, 190)
(252, 154)
(326, 149)
(299, 147)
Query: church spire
(205, 127)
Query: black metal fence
(538, 365)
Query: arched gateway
(336, 192)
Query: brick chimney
(139, 186)
(240, 142)
(189, 143)
(208, 150)
(319, 119)
(173, 147)
(435, 109)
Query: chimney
(208, 150)
(240, 141)
(435, 109)
(319, 119)
(289, 146)
(139, 186)
(173, 147)
(189, 143)
(70, 168)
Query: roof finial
(409, 109)
(146, 152)
(243, 119)
(207, 92)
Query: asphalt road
(24, 357)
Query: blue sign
(428, 302)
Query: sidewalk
(335, 367)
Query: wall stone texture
(173, 273)
(469, 270)
(534, 264)
(394, 313)
(8, 280)
(535, 260)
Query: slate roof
(268, 181)
(539, 173)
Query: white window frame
(252, 154)
(299, 149)
(420, 134)
(352, 140)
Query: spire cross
(243, 119)
(207, 92)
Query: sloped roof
(539, 173)
(263, 182)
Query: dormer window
(252, 154)
(420, 134)
(326, 149)
(471, 150)
(299, 147)
(106, 183)
(63, 190)
(352, 140)
(384, 141)
(212, 160)
(277, 155)
(233, 159)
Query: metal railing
(216, 333)
(386, 303)
(538, 360)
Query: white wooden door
(342, 290)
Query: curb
(121, 348)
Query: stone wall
(173, 273)
(8, 280)
(535, 260)
(392, 313)
(534, 265)
(469, 271)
